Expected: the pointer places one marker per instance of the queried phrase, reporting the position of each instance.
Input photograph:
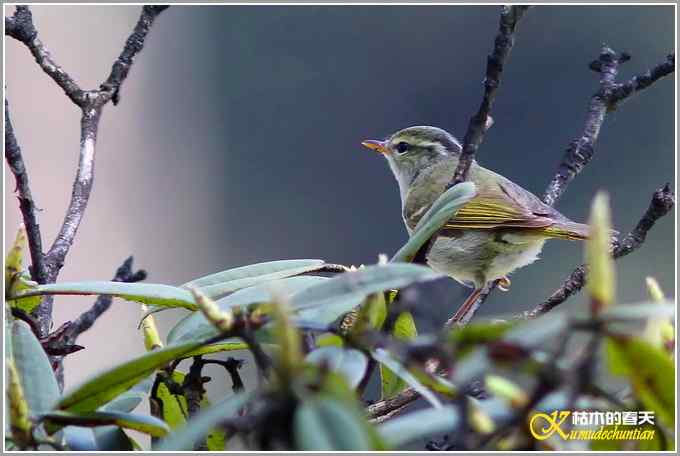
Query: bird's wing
(508, 205)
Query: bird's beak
(378, 146)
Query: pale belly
(479, 256)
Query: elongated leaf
(14, 261)
(112, 438)
(185, 437)
(21, 283)
(651, 373)
(216, 348)
(328, 300)
(79, 438)
(257, 273)
(35, 372)
(326, 424)
(404, 329)
(174, 406)
(142, 423)
(146, 293)
(196, 326)
(220, 290)
(640, 311)
(419, 424)
(15, 280)
(126, 402)
(601, 276)
(350, 363)
(402, 372)
(439, 213)
(104, 387)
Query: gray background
(237, 139)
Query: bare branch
(26, 205)
(662, 202)
(82, 186)
(20, 27)
(641, 82)
(480, 122)
(134, 44)
(387, 406)
(510, 16)
(62, 341)
(581, 150)
(85, 321)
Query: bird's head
(413, 149)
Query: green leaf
(404, 329)
(468, 337)
(327, 301)
(534, 333)
(130, 399)
(195, 326)
(142, 423)
(351, 363)
(419, 424)
(329, 340)
(326, 424)
(216, 348)
(639, 311)
(146, 293)
(21, 284)
(218, 285)
(175, 412)
(601, 275)
(173, 406)
(382, 356)
(14, 261)
(651, 373)
(34, 369)
(106, 386)
(185, 437)
(253, 271)
(439, 213)
(112, 438)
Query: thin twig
(662, 202)
(62, 341)
(80, 196)
(481, 121)
(124, 273)
(26, 205)
(393, 403)
(20, 26)
(581, 150)
(641, 82)
(510, 16)
(232, 366)
(134, 44)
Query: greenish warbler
(501, 229)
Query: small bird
(501, 229)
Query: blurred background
(237, 140)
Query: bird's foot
(504, 283)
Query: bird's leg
(459, 317)
(504, 283)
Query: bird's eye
(402, 147)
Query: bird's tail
(572, 231)
(567, 230)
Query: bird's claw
(504, 283)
